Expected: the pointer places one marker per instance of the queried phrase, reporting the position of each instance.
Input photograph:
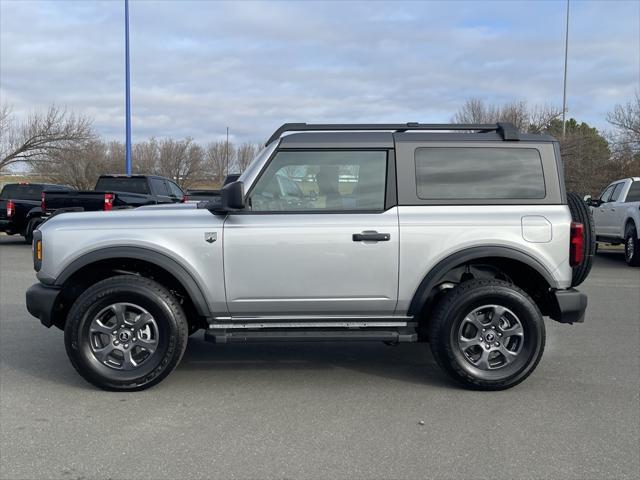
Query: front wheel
(487, 334)
(631, 247)
(125, 333)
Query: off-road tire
(456, 305)
(581, 213)
(148, 294)
(631, 246)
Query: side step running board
(225, 336)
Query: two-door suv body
(459, 235)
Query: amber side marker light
(39, 250)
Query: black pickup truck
(113, 192)
(200, 195)
(20, 207)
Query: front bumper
(568, 306)
(41, 302)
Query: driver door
(315, 239)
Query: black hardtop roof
(382, 135)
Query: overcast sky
(197, 67)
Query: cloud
(198, 67)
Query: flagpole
(564, 93)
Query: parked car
(113, 192)
(20, 212)
(404, 233)
(616, 214)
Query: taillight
(185, 198)
(43, 202)
(11, 208)
(576, 249)
(108, 201)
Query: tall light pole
(127, 90)
(564, 93)
(226, 152)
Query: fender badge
(210, 237)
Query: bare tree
(245, 153)
(218, 159)
(146, 157)
(532, 120)
(40, 135)
(626, 119)
(625, 139)
(180, 160)
(81, 167)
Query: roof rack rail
(507, 131)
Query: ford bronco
(462, 236)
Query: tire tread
(580, 212)
(110, 286)
(442, 350)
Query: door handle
(613, 209)
(371, 236)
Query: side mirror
(232, 198)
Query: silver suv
(458, 235)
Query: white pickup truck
(616, 213)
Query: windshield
(123, 184)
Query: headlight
(37, 250)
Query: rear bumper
(41, 302)
(569, 306)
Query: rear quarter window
(488, 173)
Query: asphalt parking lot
(326, 410)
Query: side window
(634, 193)
(606, 194)
(454, 173)
(615, 195)
(175, 190)
(159, 187)
(321, 181)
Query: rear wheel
(581, 213)
(631, 246)
(487, 334)
(125, 333)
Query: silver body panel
(177, 233)
(429, 234)
(283, 267)
(308, 264)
